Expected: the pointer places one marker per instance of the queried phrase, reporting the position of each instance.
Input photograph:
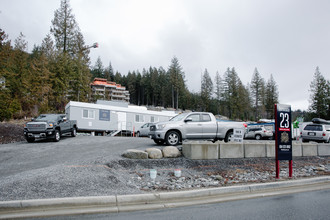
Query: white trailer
(112, 117)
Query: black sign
(283, 132)
(104, 115)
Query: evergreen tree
(177, 81)
(271, 96)
(165, 87)
(118, 78)
(48, 48)
(219, 92)
(5, 93)
(206, 89)
(319, 97)
(257, 87)
(98, 69)
(18, 77)
(108, 73)
(65, 28)
(39, 82)
(131, 86)
(72, 82)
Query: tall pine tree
(206, 90)
(257, 89)
(319, 97)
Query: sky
(285, 38)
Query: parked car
(49, 126)
(194, 125)
(316, 132)
(143, 131)
(259, 133)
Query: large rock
(154, 153)
(171, 152)
(135, 154)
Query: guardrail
(201, 150)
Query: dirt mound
(11, 132)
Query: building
(111, 117)
(106, 90)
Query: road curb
(121, 203)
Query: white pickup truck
(194, 125)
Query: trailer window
(154, 119)
(88, 114)
(139, 118)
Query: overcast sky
(286, 38)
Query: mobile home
(112, 117)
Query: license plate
(311, 133)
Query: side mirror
(33, 119)
(188, 119)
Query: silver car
(258, 133)
(143, 130)
(316, 132)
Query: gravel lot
(93, 166)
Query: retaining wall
(208, 150)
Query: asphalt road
(306, 205)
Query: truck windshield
(46, 118)
(179, 117)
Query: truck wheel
(57, 136)
(74, 132)
(30, 140)
(172, 138)
(258, 137)
(229, 136)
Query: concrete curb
(121, 203)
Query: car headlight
(159, 127)
(51, 125)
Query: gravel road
(93, 166)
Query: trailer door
(121, 121)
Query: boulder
(154, 153)
(135, 154)
(171, 151)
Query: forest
(59, 70)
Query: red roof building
(106, 90)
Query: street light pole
(95, 45)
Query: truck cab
(49, 126)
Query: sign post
(283, 136)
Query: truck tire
(258, 137)
(74, 132)
(172, 138)
(30, 140)
(229, 136)
(57, 137)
